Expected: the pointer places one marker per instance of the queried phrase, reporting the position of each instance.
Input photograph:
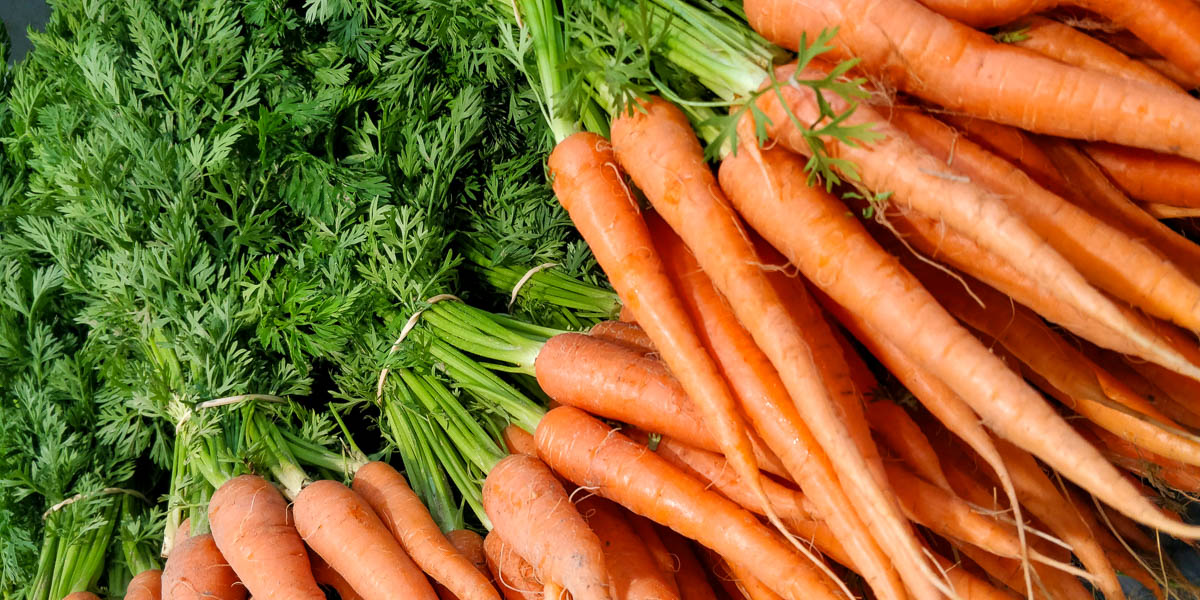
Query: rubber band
(525, 279)
(404, 331)
(104, 492)
(238, 399)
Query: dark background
(18, 15)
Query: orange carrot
(469, 544)
(660, 151)
(184, 531)
(1181, 78)
(327, 576)
(624, 333)
(815, 232)
(633, 571)
(594, 456)
(81, 596)
(1012, 145)
(900, 433)
(197, 570)
(146, 585)
(514, 576)
(1117, 376)
(251, 526)
(1073, 47)
(750, 586)
(1146, 464)
(1148, 176)
(968, 586)
(530, 510)
(1166, 211)
(518, 441)
(647, 531)
(390, 497)
(726, 580)
(1061, 586)
(689, 573)
(966, 71)
(588, 184)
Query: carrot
(624, 333)
(1116, 376)
(250, 524)
(1122, 560)
(184, 531)
(726, 580)
(764, 399)
(647, 531)
(1148, 465)
(689, 573)
(1012, 145)
(1068, 45)
(531, 511)
(750, 586)
(966, 71)
(633, 570)
(469, 544)
(81, 596)
(327, 576)
(625, 385)
(660, 151)
(1148, 176)
(146, 585)
(514, 576)
(588, 184)
(518, 441)
(398, 507)
(1166, 211)
(833, 250)
(594, 456)
(197, 570)
(966, 585)
(1061, 586)
(900, 433)
(1181, 78)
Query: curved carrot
(592, 455)
(390, 497)
(513, 575)
(623, 333)
(518, 441)
(750, 586)
(967, 71)
(588, 184)
(660, 151)
(633, 571)
(197, 570)
(251, 526)
(146, 585)
(327, 576)
(1073, 47)
(815, 232)
(532, 513)
(689, 573)
(1148, 176)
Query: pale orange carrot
(904, 437)
(689, 573)
(197, 570)
(634, 572)
(624, 333)
(1066, 44)
(515, 577)
(146, 585)
(327, 576)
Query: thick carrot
(390, 497)
(1148, 176)
(904, 437)
(660, 151)
(514, 576)
(146, 585)
(589, 185)
(327, 576)
(634, 572)
(689, 573)
(518, 441)
(531, 511)
(592, 455)
(251, 525)
(833, 250)
(966, 71)
(624, 333)
(197, 570)
(773, 413)
(625, 385)
(1066, 44)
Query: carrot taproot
(1118, 553)
(469, 544)
(518, 441)
(1012, 145)
(531, 511)
(659, 149)
(764, 398)
(1066, 44)
(588, 184)
(625, 385)
(1149, 176)
(624, 333)
(387, 493)
(647, 531)
(634, 572)
(749, 584)
(197, 570)
(966, 585)
(964, 70)
(726, 580)
(514, 576)
(1182, 390)
(1168, 69)
(904, 437)
(689, 573)
(1146, 464)
(252, 527)
(146, 585)
(1116, 376)
(834, 251)
(1051, 583)
(1166, 211)
(184, 531)
(327, 576)
(592, 455)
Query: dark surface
(18, 15)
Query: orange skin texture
(903, 436)
(1149, 176)
(910, 47)
(251, 526)
(470, 544)
(634, 572)
(518, 441)
(592, 455)
(689, 573)
(1073, 47)
(624, 333)
(338, 523)
(81, 596)
(647, 531)
(531, 512)
(146, 585)
(409, 521)
(197, 570)
(1148, 464)
(326, 575)
(834, 251)
(1012, 145)
(516, 578)
(1008, 571)
(659, 149)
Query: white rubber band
(78, 497)
(525, 279)
(404, 331)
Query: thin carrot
(390, 497)
(751, 586)
(1181, 78)
(633, 571)
(1012, 145)
(470, 544)
(1059, 585)
(197, 570)
(1066, 44)
(594, 456)
(531, 511)
(1146, 464)
(833, 250)
(146, 585)
(773, 413)
(968, 586)
(689, 573)
(1122, 560)
(251, 525)
(1148, 176)
(647, 531)
(327, 576)
(514, 576)
(726, 580)
(588, 184)
(967, 71)
(660, 151)
(518, 441)
(624, 333)
(904, 437)
(1166, 211)
(1116, 376)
